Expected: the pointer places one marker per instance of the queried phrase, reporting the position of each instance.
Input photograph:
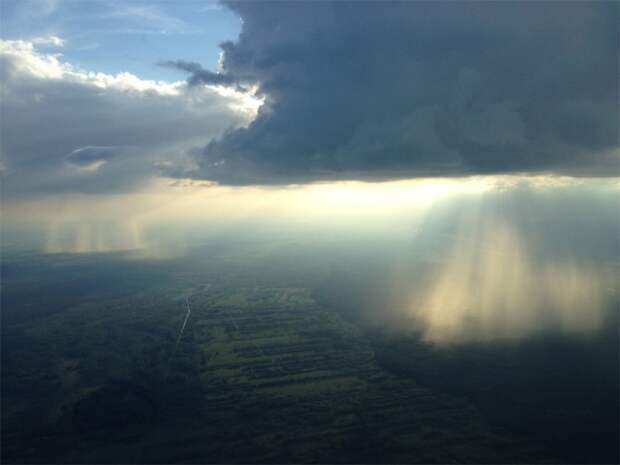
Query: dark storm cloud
(199, 75)
(389, 90)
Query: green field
(276, 365)
(260, 375)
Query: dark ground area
(273, 367)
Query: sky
(115, 36)
(106, 96)
(481, 137)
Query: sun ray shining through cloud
(492, 287)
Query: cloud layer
(365, 90)
(65, 129)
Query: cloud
(147, 18)
(369, 90)
(210, 6)
(91, 158)
(67, 129)
(50, 40)
(199, 75)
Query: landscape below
(250, 353)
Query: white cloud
(53, 109)
(26, 59)
(49, 40)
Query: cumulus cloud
(66, 129)
(402, 89)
